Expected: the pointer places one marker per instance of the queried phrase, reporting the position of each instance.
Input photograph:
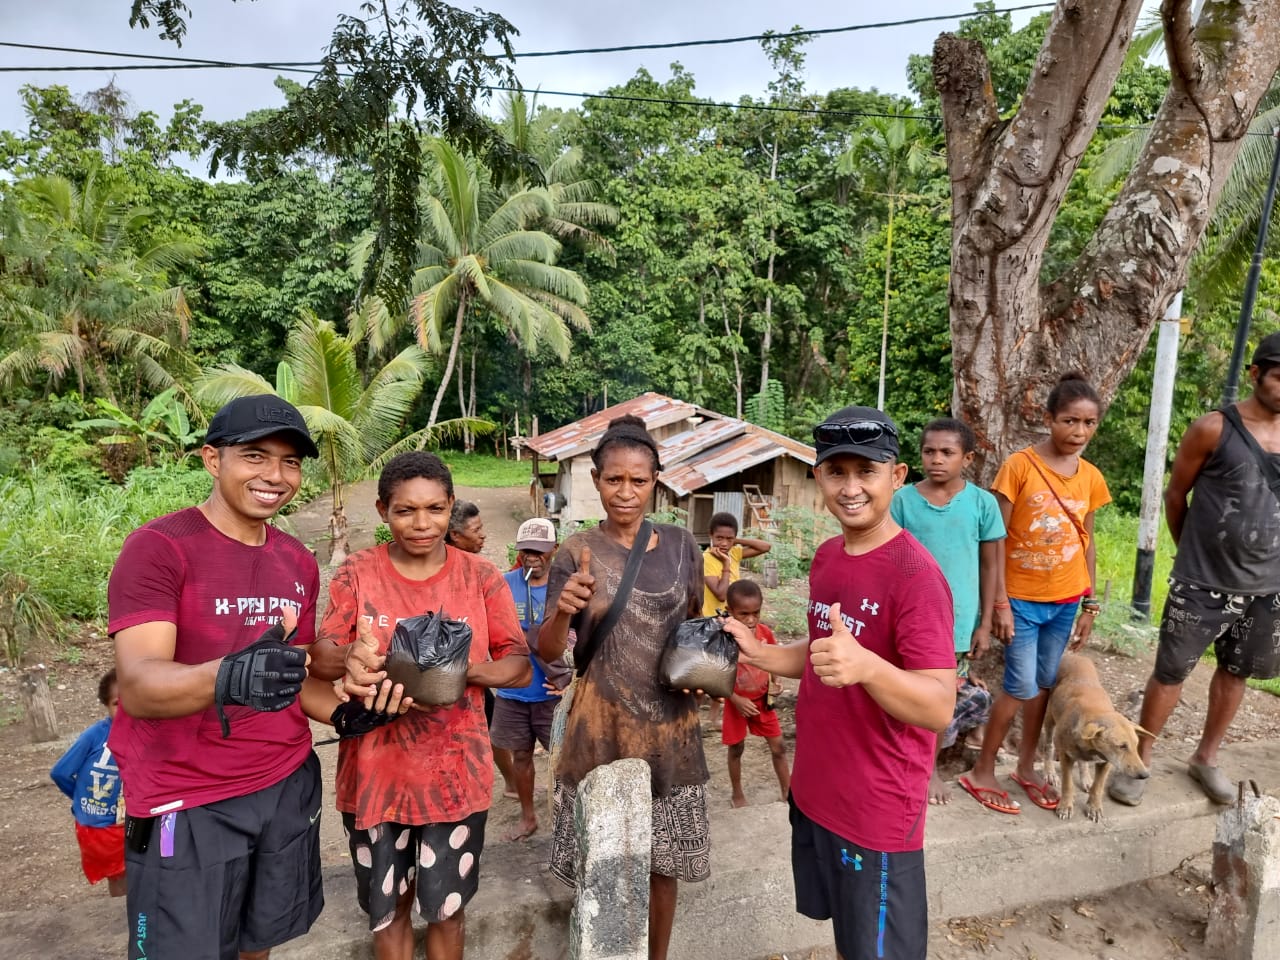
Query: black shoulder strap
(1269, 472)
(582, 653)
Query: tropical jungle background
(750, 260)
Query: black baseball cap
(1268, 350)
(860, 431)
(246, 419)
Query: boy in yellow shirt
(722, 560)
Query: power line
(827, 31)
(167, 62)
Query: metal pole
(1157, 446)
(1231, 390)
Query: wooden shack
(711, 463)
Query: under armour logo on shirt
(873, 607)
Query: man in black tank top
(1225, 585)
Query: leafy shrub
(63, 540)
(800, 532)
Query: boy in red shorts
(87, 773)
(749, 708)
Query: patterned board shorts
(1244, 631)
(443, 859)
(973, 708)
(681, 845)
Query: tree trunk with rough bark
(38, 702)
(1012, 337)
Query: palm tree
(546, 137)
(890, 155)
(355, 424)
(481, 249)
(85, 298)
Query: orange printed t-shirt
(1044, 554)
(433, 765)
(752, 682)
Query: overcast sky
(299, 29)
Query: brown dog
(1082, 725)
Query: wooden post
(34, 687)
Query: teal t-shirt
(953, 534)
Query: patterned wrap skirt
(681, 845)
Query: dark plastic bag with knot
(700, 655)
(429, 655)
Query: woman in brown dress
(620, 709)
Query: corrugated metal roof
(680, 447)
(716, 448)
(582, 435)
(801, 451)
(724, 460)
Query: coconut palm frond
(431, 436)
(226, 382)
(522, 245)
(432, 311)
(516, 213)
(324, 363)
(541, 276)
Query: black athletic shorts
(239, 874)
(876, 902)
(1244, 631)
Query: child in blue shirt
(87, 773)
(960, 525)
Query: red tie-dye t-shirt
(433, 765)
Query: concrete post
(1157, 446)
(1244, 918)
(614, 822)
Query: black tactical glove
(354, 719)
(266, 675)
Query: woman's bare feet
(523, 830)
(739, 800)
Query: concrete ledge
(979, 862)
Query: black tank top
(1231, 537)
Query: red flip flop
(1037, 793)
(990, 798)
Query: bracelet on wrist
(1001, 604)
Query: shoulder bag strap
(583, 652)
(1084, 540)
(1269, 472)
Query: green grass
(63, 541)
(485, 470)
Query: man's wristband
(1090, 606)
(1001, 604)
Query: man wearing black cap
(1225, 585)
(877, 681)
(211, 610)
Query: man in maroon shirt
(877, 680)
(212, 610)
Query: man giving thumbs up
(877, 679)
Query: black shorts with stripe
(876, 901)
(241, 874)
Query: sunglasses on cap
(854, 431)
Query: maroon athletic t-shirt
(859, 772)
(222, 595)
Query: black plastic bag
(700, 655)
(430, 655)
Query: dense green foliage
(752, 261)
